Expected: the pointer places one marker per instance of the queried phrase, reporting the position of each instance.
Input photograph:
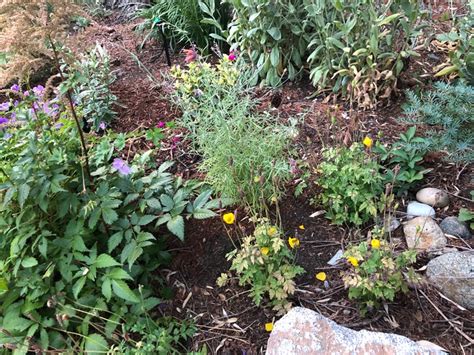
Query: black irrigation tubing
(165, 46)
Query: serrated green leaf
(176, 226)
(122, 290)
(109, 215)
(105, 260)
(95, 343)
(147, 219)
(114, 241)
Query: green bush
(186, 21)
(90, 80)
(272, 35)
(447, 113)
(74, 250)
(351, 185)
(244, 152)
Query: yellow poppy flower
(256, 179)
(228, 218)
(268, 327)
(368, 142)
(353, 261)
(294, 242)
(301, 227)
(272, 231)
(321, 276)
(264, 250)
(375, 243)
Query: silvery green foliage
(448, 113)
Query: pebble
(417, 209)
(433, 197)
(453, 226)
(424, 234)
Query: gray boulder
(303, 331)
(433, 197)
(453, 226)
(453, 274)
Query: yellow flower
(228, 218)
(301, 227)
(268, 327)
(321, 276)
(294, 242)
(353, 261)
(272, 231)
(256, 179)
(375, 243)
(368, 142)
(274, 199)
(264, 250)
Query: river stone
(422, 233)
(453, 226)
(303, 331)
(416, 209)
(433, 197)
(453, 274)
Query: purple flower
(26, 93)
(7, 136)
(121, 166)
(15, 88)
(3, 120)
(4, 106)
(102, 126)
(198, 92)
(16, 103)
(58, 125)
(161, 124)
(38, 90)
(175, 139)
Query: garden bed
(226, 318)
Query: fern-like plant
(448, 113)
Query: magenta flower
(4, 106)
(121, 166)
(161, 124)
(232, 56)
(175, 139)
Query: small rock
(453, 226)
(303, 331)
(453, 274)
(433, 197)
(336, 258)
(422, 233)
(416, 209)
(393, 225)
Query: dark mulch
(227, 319)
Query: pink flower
(191, 55)
(175, 139)
(161, 124)
(232, 56)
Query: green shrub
(272, 35)
(265, 262)
(73, 251)
(377, 273)
(244, 152)
(186, 21)
(358, 48)
(447, 113)
(90, 79)
(462, 58)
(351, 185)
(402, 159)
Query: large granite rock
(453, 274)
(424, 234)
(433, 197)
(303, 331)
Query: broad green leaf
(147, 219)
(107, 289)
(23, 193)
(29, 262)
(77, 288)
(176, 226)
(275, 33)
(275, 56)
(114, 241)
(119, 274)
(105, 260)
(95, 344)
(109, 215)
(122, 290)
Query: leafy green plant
(351, 184)
(377, 273)
(402, 160)
(447, 112)
(265, 262)
(68, 242)
(462, 58)
(185, 21)
(271, 34)
(244, 153)
(90, 80)
(359, 48)
(466, 215)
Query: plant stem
(74, 114)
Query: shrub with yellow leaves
(265, 262)
(377, 272)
